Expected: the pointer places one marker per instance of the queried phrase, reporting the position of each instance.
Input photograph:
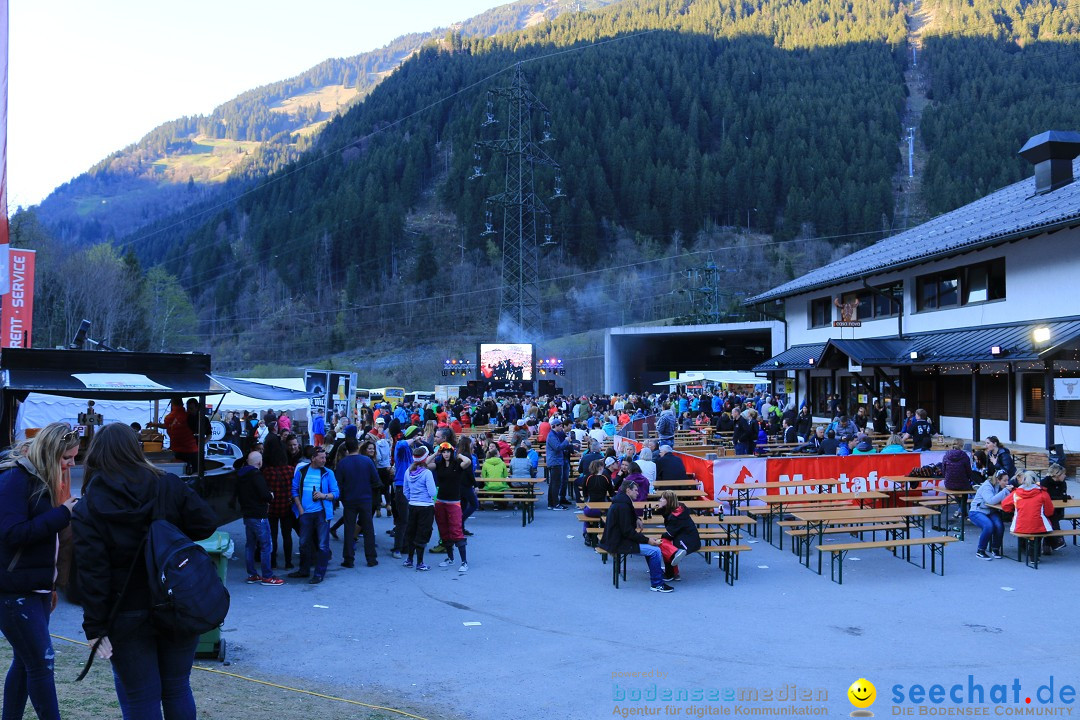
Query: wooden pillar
(1012, 402)
(975, 419)
(1048, 402)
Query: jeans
(257, 531)
(151, 672)
(555, 481)
(656, 563)
(991, 527)
(314, 538)
(286, 523)
(743, 449)
(24, 620)
(469, 502)
(353, 512)
(401, 518)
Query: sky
(88, 78)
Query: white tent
(297, 408)
(716, 376)
(39, 410)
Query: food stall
(131, 377)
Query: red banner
(3, 145)
(17, 316)
(853, 473)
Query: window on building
(820, 312)
(883, 307)
(982, 282)
(873, 306)
(1066, 412)
(993, 396)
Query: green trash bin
(220, 547)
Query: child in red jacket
(1031, 504)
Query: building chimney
(1052, 154)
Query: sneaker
(298, 574)
(464, 567)
(662, 587)
(676, 578)
(315, 580)
(396, 555)
(347, 564)
(407, 563)
(272, 581)
(679, 555)
(372, 563)
(423, 567)
(983, 555)
(437, 549)
(252, 579)
(669, 578)
(447, 562)
(994, 554)
(468, 533)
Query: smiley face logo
(862, 694)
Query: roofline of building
(1066, 223)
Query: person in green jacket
(494, 467)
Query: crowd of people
(419, 463)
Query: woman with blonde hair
(33, 511)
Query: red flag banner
(3, 145)
(17, 306)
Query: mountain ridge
(253, 134)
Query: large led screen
(506, 361)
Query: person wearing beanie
(420, 491)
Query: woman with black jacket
(680, 534)
(999, 457)
(121, 495)
(623, 536)
(32, 514)
(598, 489)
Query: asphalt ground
(535, 629)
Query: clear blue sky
(88, 78)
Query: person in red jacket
(1031, 505)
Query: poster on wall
(317, 382)
(340, 392)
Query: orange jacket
(1032, 507)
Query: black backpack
(186, 595)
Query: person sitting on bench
(1032, 505)
(991, 492)
(623, 536)
(680, 534)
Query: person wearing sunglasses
(33, 511)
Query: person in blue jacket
(314, 490)
(32, 514)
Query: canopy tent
(38, 410)
(715, 376)
(107, 375)
(265, 394)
